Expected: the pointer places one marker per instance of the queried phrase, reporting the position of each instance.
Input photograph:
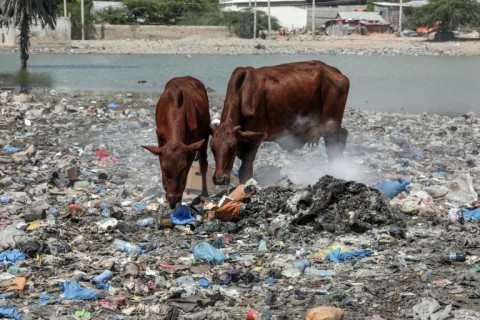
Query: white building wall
(61, 34)
(290, 18)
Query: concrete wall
(61, 35)
(118, 32)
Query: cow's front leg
(246, 168)
(202, 153)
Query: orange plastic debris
(325, 313)
(18, 284)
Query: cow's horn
(236, 128)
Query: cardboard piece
(193, 187)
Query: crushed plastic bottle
(127, 247)
(146, 222)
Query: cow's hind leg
(202, 154)
(335, 143)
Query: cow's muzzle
(222, 181)
(173, 202)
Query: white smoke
(309, 171)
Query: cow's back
(286, 98)
(182, 111)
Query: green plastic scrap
(82, 314)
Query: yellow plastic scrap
(34, 225)
(323, 253)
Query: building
(357, 22)
(391, 11)
(296, 14)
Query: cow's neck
(232, 115)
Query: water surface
(445, 85)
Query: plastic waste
(106, 225)
(112, 105)
(454, 214)
(338, 256)
(6, 296)
(205, 252)
(146, 222)
(301, 264)
(455, 256)
(12, 256)
(127, 247)
(181, 215)
(10, 312)
(390, 188)
(138, 207)
(324, 313)
(103, 277)
(5, 199)
(73, 291)
(44, 299)
(319, 273)
(9, 149)
(471, 215)
(204, 282)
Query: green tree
(450, 14)
(74, 10)
(113, 15)
(240, 23)
(23, 13)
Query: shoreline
(296, 44)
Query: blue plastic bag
(471, 215)
(205, 252)
(44, 299)
(6, 296)
(390, 188)
(112, 105)
(204, 282)
(337, 256)
(11, 149)
(181, 215)
(12, 256)
(73, 291)
(9, 312)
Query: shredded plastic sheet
(390, 188)
(338, 256)
(12, 256)
(73, 291)
(206, 252)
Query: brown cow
(291, 104)
(183, 127)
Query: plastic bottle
(4, 199)
(455, 256)
(103, 277)
(127, 247)
(106, 225)
(146, 222)
(319, 273)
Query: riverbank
(375, 44)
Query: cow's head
(224, 144)
(173, 158)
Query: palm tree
(22, 13)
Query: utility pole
(269, 21)
(83, 19)
(400, 14)
(313, 19)
(65, 8)
(255, 20)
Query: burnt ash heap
(331, 204)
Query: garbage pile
(389, 232)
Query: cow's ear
(195, 146)
(251, 135)
(155, 150)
